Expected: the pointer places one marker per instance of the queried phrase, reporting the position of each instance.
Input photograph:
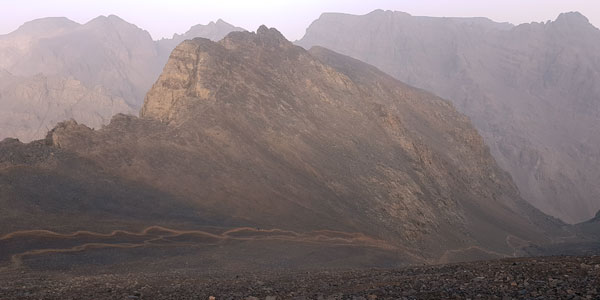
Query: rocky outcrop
(530, 90)
(105, 66)
(255, 133)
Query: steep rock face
(253, 131)
(530, 90)
(112, 60)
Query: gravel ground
(522, 278)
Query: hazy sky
(163, 18)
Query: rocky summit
(252, 152)
(531, 90)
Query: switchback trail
(155, 236)
(510, 240)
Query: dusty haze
(163, 18)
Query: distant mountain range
(533, 90)
(259, 154)
(86, 72)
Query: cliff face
(530, 90)
(115, 62)
(253, 131)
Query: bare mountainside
(252, 152)
(97, 69)
(531, 90)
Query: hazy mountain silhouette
(531, 90)
(213, 31)
(32, 105)
(312, 149)
(113, 61)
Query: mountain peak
(106, 20)
(221, 22)
(115, 18)
(379, 12)
(212, 25)
(270, 33)
(572, 18)
(213, 30)
(47, 25)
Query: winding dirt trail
(156, 236)
(444, 259)
(512, 241)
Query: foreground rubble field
(530, 278)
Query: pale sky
(163, 18)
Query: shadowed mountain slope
(312, 148)
(531, 90)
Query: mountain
(113, 60)
(252, 152)
(214, 31)
(106, 51)
(531, 90)
(30, 106)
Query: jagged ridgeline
(270, 155)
